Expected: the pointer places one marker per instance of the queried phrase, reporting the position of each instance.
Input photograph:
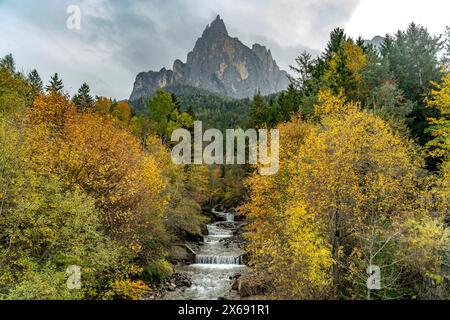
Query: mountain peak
(219, 64)
(216, 27)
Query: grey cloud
(120, 38)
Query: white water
(215, 264)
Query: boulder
(250, 285)
(181, 254)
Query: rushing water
(216, 264)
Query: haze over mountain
(221, 64)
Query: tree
(56, 84)
(14, 92)
(166, 116)
(83, 100)
(348, 185)
(412, 56)
(446, 58)
(35, 83)
(304, 70)
(89, 152)
(343, 71)
(334, 45)
(45, 228)
(259, 112)
(8, 63)
(439, 126)
(285, 245)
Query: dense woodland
(364, 179)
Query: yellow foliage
(284, 240)
(127, 289)
(329, 103)
(90, 153)
(439, 100)
(344, 70)
(338, 179)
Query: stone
(181, 254)
(249, 285)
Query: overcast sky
(120, 38)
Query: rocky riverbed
(211, 268)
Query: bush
(158, 272)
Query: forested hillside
(214, 110)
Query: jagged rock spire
(220, 64)
(216, 27)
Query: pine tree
(447, 48)
(337, 37)
(8, 63)
(412, 56)
(259, 112)
(304, 70)
(83, 100)
(35, 83)
(190, 111)
(56, 84)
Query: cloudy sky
(120, 38)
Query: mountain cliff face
(376, 42)
(220, 64)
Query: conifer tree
(83, 99)
(35, 82)
(56, 84)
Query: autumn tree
(350, 184)
(284, 239)
(45, 228)
(90, 153)
(439, 101)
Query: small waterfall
(217, 261)
(211, 259)
(215, 231)
(229, 217)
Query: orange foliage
(90, 153)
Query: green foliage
(13, 92)
(158, 272)
(166, 116)
(35, 83)
(8, 63)
(56, 84)
(83, 99)
(412, 57)
(44, 230)
(214, 110)
(259, 112)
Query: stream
(217, 262)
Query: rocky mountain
(220, 64)
(376, 42)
